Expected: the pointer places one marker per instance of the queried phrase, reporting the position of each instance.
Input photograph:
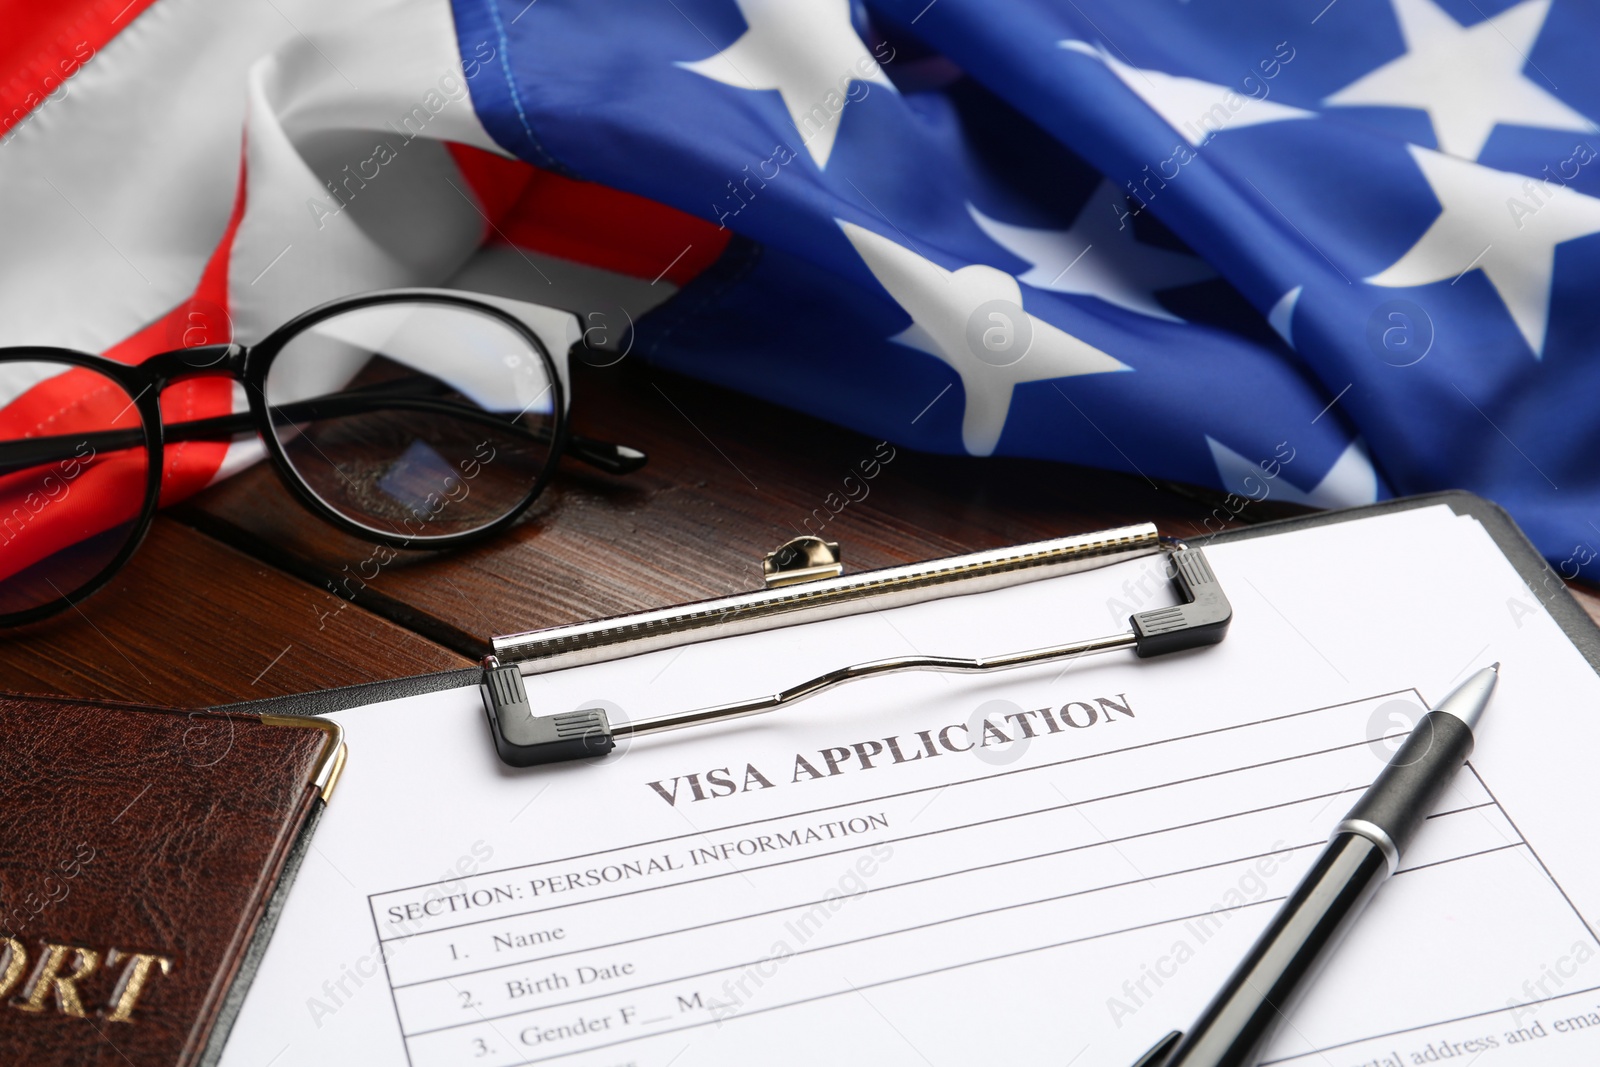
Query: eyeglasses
(414, 418)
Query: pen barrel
(1235, 1027)
(1408, 789)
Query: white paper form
(1051, 865)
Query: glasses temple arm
(605, 456)
(84, 447)
(602, 455)
(65, 448)
(32, 452)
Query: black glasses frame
(145, 381)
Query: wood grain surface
(191, 622)
(233, 595)
(729, 479)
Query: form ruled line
(926, 973)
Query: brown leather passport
(143, 853)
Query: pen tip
(1468, 700)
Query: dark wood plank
(191, 622)
(729, 479)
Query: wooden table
(230, 598)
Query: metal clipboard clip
(524, 738)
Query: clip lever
(1203, 617)
(524, 739)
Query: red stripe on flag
(80, 493)
(44, 44)
(588, 223)
(200, 320)
(109, 487)
(497, 182)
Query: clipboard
(1542, 580)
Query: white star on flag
(1506, 225)
(1195, 109)
(1467, 78)
(810, 53)
(1281, 317)
(1350, 481)
(957, 314)
(1097, 257)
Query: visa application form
(1051, 865)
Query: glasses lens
(416, 419)
(74, 469)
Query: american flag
(1318, 252)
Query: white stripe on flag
(367, 107)
(113, 197)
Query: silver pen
(1364, 850)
